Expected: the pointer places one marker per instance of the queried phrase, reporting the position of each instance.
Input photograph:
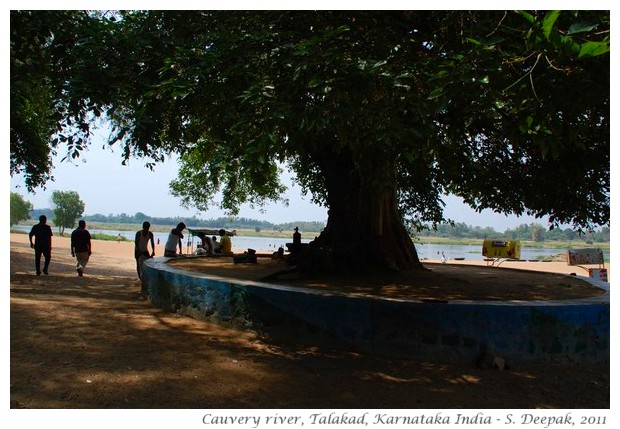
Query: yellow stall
(498, 249)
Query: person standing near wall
(141, 248)
(175, 238)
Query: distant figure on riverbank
(80, 247)
(175, 238)
(295, 247)
(141, 246)
(279, 255)
(225, 243)
(42, 234)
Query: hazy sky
(107, 187)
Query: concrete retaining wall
(457, 331)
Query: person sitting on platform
(216, 245)
(225, 243)
(207, 244)
(279, 255)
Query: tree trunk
(364, 229)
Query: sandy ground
(90, 343)
(546, 267)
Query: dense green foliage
(45, 47)
(107, 237)
(20, 208)
(535, 122)
(378, 114)
(536, 232)
(67, 207)
(532, 232)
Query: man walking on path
(42, 234)
(80, 246)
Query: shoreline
(418, 241)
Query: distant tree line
(536, 232)
(531, 232)
(221, 222)
(525, 232)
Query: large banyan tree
(378, 114)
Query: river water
(425, 250)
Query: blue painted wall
(458, 331)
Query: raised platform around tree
(450, 313)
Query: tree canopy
(20, 208)
(378, 114)
(67, 207)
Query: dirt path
(90, 343)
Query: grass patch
(107, 237)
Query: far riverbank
(452, 250)
(561, 245)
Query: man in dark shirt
(42, 245)
(80, 246)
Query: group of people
(81, 248)
(175, 239)
(210, 245)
